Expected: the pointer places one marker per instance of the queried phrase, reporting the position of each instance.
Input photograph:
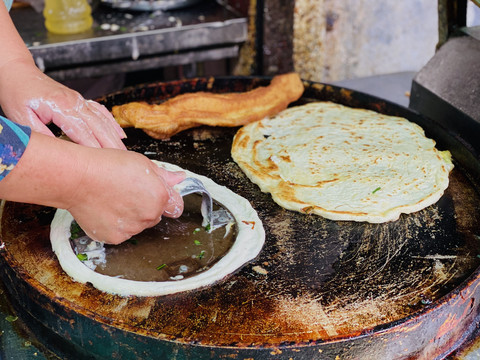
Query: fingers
(78, 131)
(104, 127)
(89, 126)
(41, 128)
(174, 206)
(108, 116)
(31, 119)
(37, 99)
(67, 116)
(84, 121)
(172, 178)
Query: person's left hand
(31, 98)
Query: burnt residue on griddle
(320, 280)
(323, 278)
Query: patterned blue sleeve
(13, 141)
(8, 3)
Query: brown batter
(173, 250)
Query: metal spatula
(212, 219)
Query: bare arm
(112, 194)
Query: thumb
(174, 206)
(29, 118)
(171, 177)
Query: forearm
(47, 174)
(15, 58)
(12, 47)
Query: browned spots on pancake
(308, 143)
(271, 165)
(242, 141)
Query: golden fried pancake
(343, 163)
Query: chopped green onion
(82, 257)
(133, 241)
(196, 230)
(11, 318)
(196, 242)
(374, 191)
(208, 227)
(75, 230)
(201, 255)
(161, 266)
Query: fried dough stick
(202, 108)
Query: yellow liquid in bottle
(67, 16)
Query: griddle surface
(323, 281)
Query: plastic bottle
(67, 16)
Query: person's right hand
(113, 194)
(122, 193)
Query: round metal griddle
(318, 289)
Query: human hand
(113, 194)
(121, 194)
(29, 97)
